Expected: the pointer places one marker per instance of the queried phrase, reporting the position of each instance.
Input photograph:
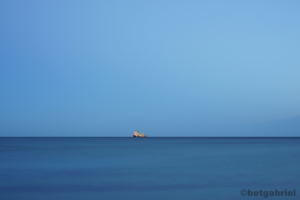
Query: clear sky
(169, 68)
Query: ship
(138, 134)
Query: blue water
(147, 168)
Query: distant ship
(138, 134)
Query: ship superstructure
(138, 134)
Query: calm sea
(149, 168)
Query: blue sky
(169, 68)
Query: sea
(193, 168)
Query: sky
(168, 68)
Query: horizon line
(150, 137)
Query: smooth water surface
(147, 168)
